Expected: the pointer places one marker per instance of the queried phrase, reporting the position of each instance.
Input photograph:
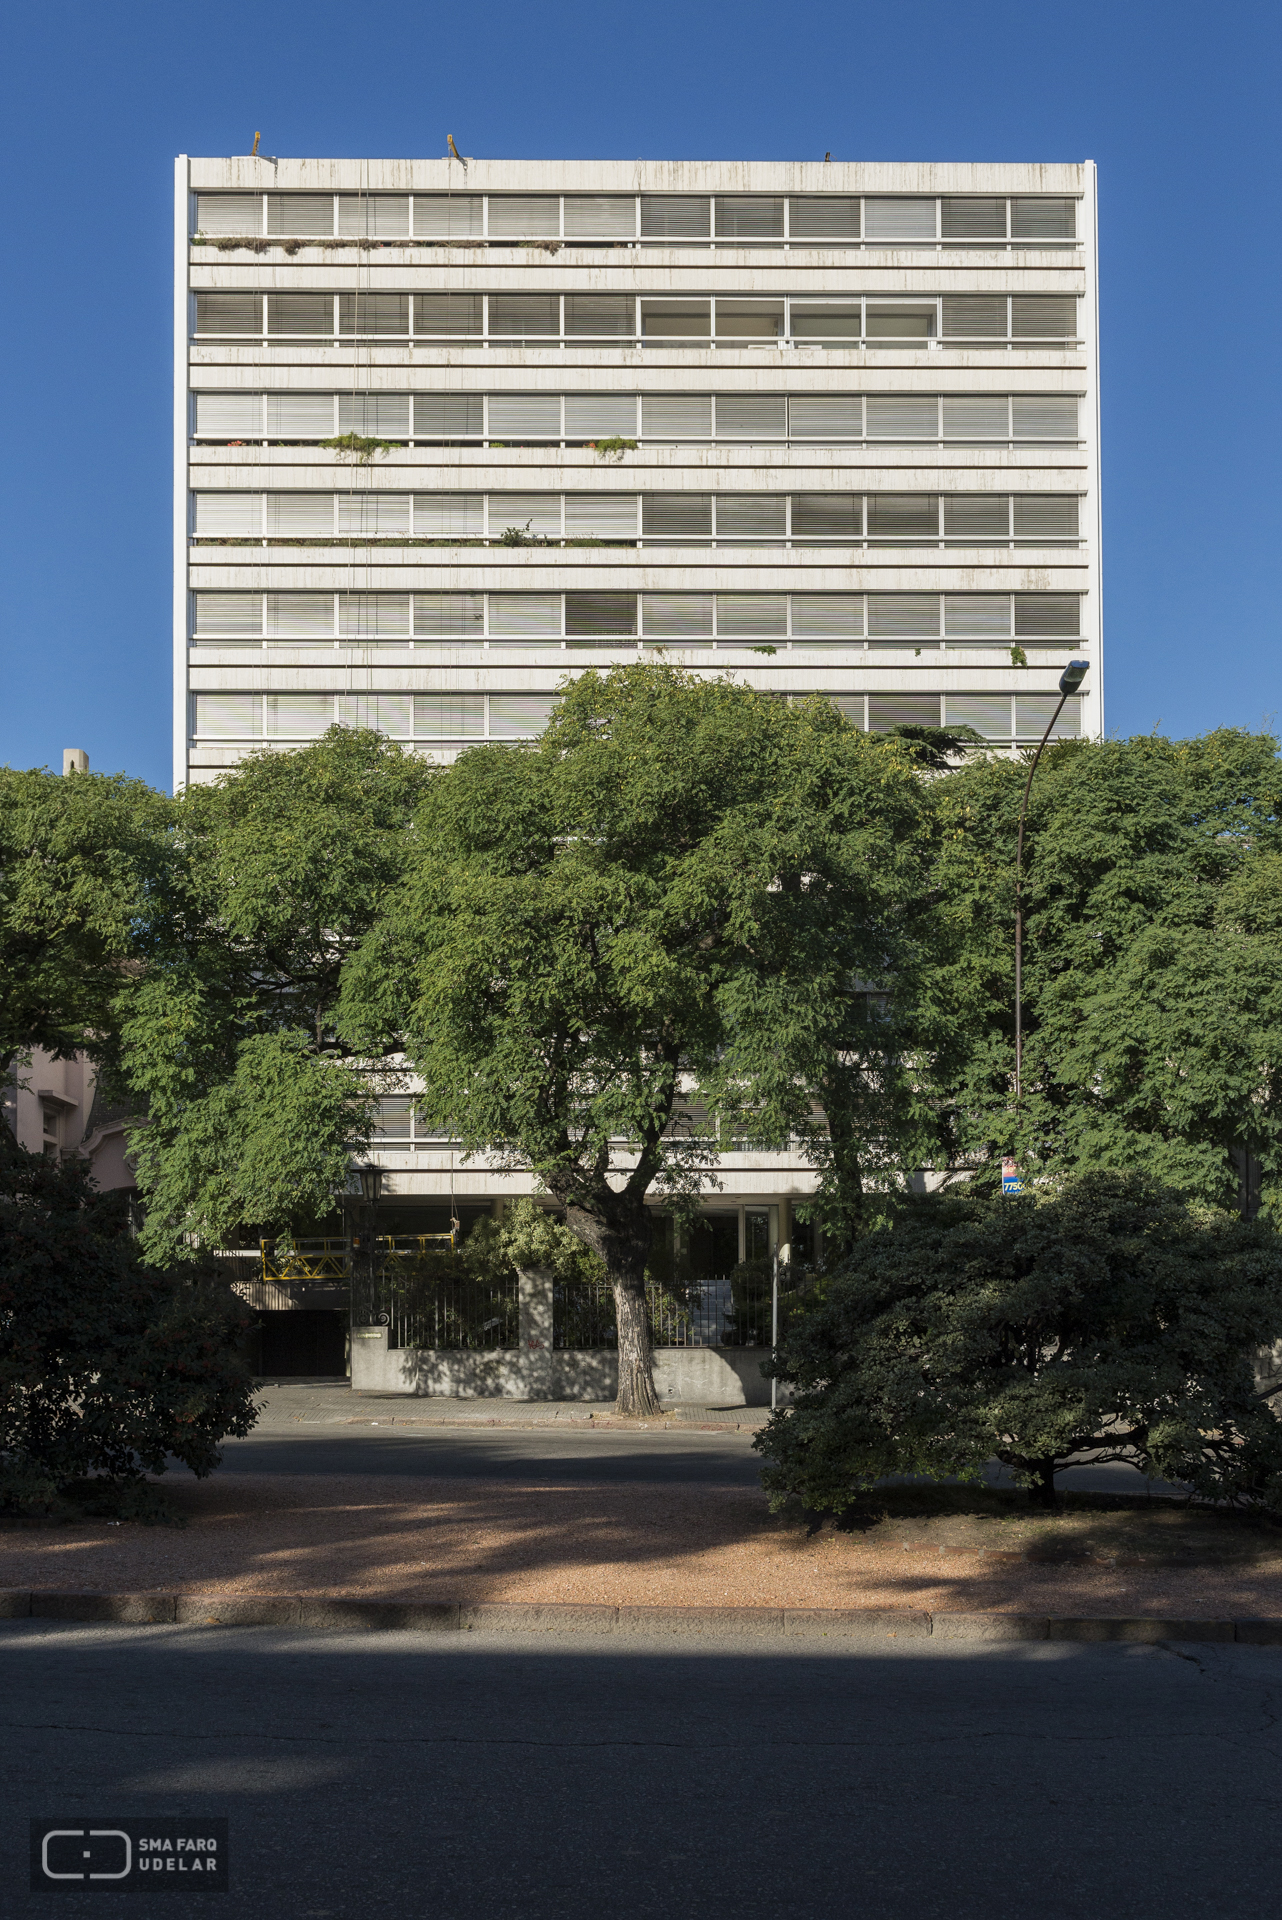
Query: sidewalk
(286, 1403)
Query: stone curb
(349, 1614)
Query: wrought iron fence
(721, 1310)
(432, 1301)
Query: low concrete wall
(702, 1376)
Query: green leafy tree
(78, 856)
(255, 1105)
(1153, 959)
(590, 938)
(1106, 1315)
(107, 1367)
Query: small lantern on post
(366, 1269)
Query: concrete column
(534, 1323)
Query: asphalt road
(550, 1777)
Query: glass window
(447, 216)
(513, 314)
(449, 616)
(1044, 416)
(751, 416)
(903, 516)
(300, 416)
(823, 216)
(827, 416)
(526, 615)
(1046, 516)
(520, 713)
(374, 216)
(903, 416)
(374, 314)
(674, 216)
(447, 314)
(600, 416)
(300, 313)
(601, 516)
(900, 323)
(229, 313)
(305, 214)
(229, 213)
(886, 710)
(525, 416)
(664, 321)
(1039, 217)
(751, 516)
(227, 516)
(395, 1113)
(300, 616)
(608, 216)
(1047, 613)
(1033, 714)
(449, 416)
(229, 415)
(377, 414)
(1043, 316)
(605, 315)
(677, 416)
(228, 716)
(851, 707)
(676, 516)
(237, 614)
(749, 217)
(752, 616)
(389, 713)
(986, 417)
(973, 218)
(532, 513)
(374, 516)
(899, 219)
(894, 616)
(742, 321)
(301, 714)
(300, 516)
(827, 616)
(525, 216)
(374, 616)
(988, 713)
(979, 616)
(826, 516)
(974, 316)
(444, 516)
(826, 323)
(977, 516)
(600, 613)
(448, 716)
(677, 616)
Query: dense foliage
(1106, 1316)
(107, 1367)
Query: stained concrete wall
(701, 1376)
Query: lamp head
(1073, 675)
(371, 1184)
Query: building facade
(833, 428)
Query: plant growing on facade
(358, 447)
(1100, 1315)
(613, 448)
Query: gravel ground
(640, 1544)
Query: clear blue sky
(1179, 105)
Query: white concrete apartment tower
(833, 427)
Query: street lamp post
(1069, 681)
(371, 1179)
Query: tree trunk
(1043, 1494)
(636, 1356)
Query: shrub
(1105, 1316)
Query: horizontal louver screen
(751, 417)
(299, 715)
(752, 616)
(306, 516)
(974, 316)
(980, 418)
(899, 516)
(590, 416)
(301, 214)
(532, 513)
(521, 216)
(751, 516)
(750, 217)
(375, 414)
(886, 710)
(518, 416)
(902, 417)
(826, 516)
(893, 616)
(374, 516)
(228, 213)
(374, 314)
(676, 515)
(823, 217)
(513, 314)
(303, 416)
(826, 417)
(374, 616)
(973, 219)
(1033, 715)
(448, 314)
(1046, 516)
(448, 416)
(227, 716)
(389, 713)
(300, 313)
(449, 716)
(229, 313)
(238, 614)
(595, 516)
(300, 616)
(977, 516)
(851, 707)
(1043, 219)
(988, 713)
(1043, 316)
(674, 216)
(374, 216)
(230, 414)
(977, 616)
(892, 219)
(447, 216)
(228, 515)
(1045, 417)
(827, 616)
(609, 316)
(526, 615)
(608, 216)
(1047, 613)
(449, 616)
(446, 516)
(677, 416)
(601, 613)
(520, 713)
(678, 616)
